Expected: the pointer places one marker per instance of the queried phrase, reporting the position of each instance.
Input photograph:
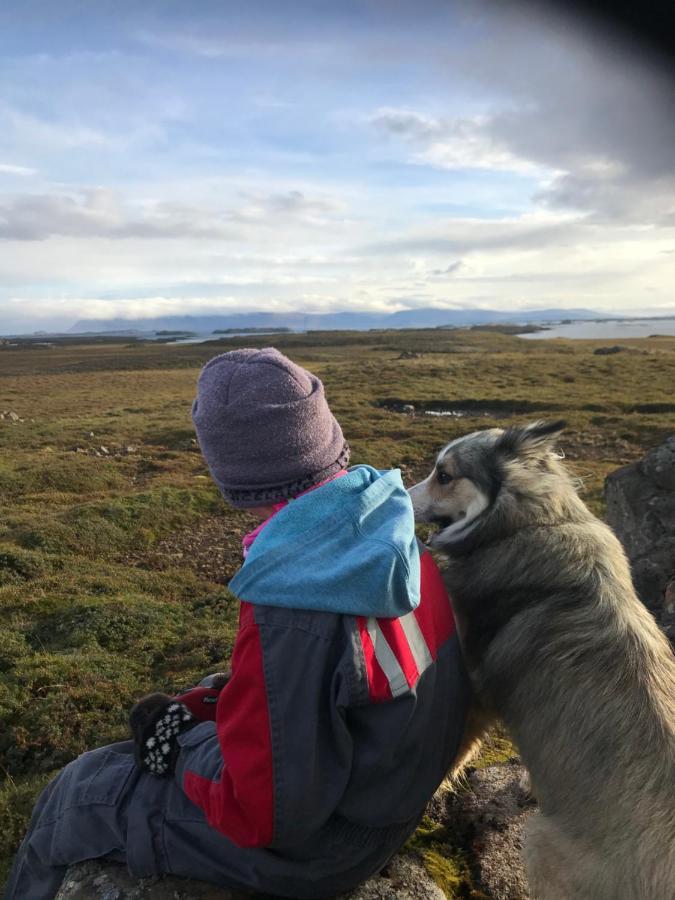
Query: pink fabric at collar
(249, 538)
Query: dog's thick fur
(559, 646)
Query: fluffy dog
(559, 646)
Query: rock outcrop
(491, 816)
(484, 819)
(10, 416)
(609, 351)
(404, 879)
(641, 510)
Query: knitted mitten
(156, 721)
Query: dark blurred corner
(646, 27)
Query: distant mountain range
(348, 321)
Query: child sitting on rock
(303, 772)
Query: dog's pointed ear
(532, 439)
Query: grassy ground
(114, 547)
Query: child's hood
(347, 547)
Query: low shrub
(20, 565)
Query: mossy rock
(496, 748)
(444, 860)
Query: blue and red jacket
(348, 695)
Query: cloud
(449, 270)
(128, 307)
(591, 119)
(450, 143)
(21, 171)
(227, 45)
(96, 128)
(619, 198)
(596, 115)
(24, 129)
(102, 213)
(430, 148)
(407, 124)
(463, 236)
(292, 205)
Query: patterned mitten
(156, 721)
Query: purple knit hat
(264, 427)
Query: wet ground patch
(651, 408)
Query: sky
(377, 155)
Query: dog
(559, 647)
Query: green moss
(20, 565)
(57, 705)
(445, 854)
(448, 873)
(12, 647)
(8, 479)
(74, 658)
(75, 473)
(145, 517)
(17, 797)
(45, 534)
(68, 473)
(119, 625)
(107, 528)
(451, 874)
(444, 860)
(495, 749)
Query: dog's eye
(443, 477)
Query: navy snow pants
(102, 805)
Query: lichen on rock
(403, 879)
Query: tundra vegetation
(115, 548)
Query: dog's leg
(541, 852)
(556, 868)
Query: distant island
(177, 334)
(503, 328)
(252, 322)
(262, 330)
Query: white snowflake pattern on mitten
(157, 748)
